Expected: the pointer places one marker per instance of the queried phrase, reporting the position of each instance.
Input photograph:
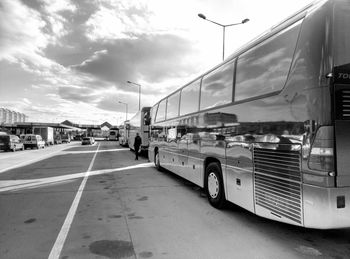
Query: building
(99, 131)
(9, 116)
(2, 115)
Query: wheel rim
(213, 185)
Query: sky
(71, 59)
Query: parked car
(22, 137)
(123, 141)
(88, 141)
(10, 143)
(33, 141)
(58, 139)
(77, 137)
(65, 139)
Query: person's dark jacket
(137, 142)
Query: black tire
(157, 162)
(214, 186)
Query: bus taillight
(322, 150)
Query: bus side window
(264, 68)
(217, 86)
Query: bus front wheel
(215, 186)
(157, 162)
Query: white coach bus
(268, 129)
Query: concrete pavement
(11, 160)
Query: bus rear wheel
(214, 186)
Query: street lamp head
(200, 15)
(245, 21)
(133, 83)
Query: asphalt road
(98, 202)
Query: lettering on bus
(343, 76)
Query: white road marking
(92, 151)
(37, 159)
(18, 185)
(309, 251)
(61, 238)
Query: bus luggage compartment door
(342, 134)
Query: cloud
(20, 30)
(118, 20)
(49, 50)
(26, 101)
(28, 27)
(78, 94)
(150, 58)
(111, 102)
(52, 6)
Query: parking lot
(75, 201)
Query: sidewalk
(10, 160)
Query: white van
(31, 141)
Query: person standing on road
(137, 144)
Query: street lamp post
(126, 110)
(223, 30)
(129, 82)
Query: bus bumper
(326, 208)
